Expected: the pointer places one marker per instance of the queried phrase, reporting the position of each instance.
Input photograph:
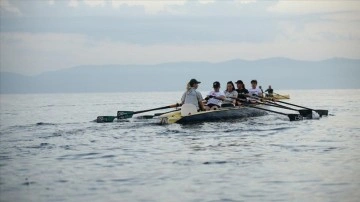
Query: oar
(307, 110)
(105, 119)
(321, 112)
(303, 112)
(156, 114)
(129, 114)
(292, 117)
(159, 114)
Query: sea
(51, 149)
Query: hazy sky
(38, 36)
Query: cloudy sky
(45, 35)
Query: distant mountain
(281, 73)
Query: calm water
(51, 150)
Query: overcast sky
(44, 35)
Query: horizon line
(165, 63)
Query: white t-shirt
(213, 100)
(255, 91)
(230, 96)
(192, 96)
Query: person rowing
(230, 95)
(192, 96)
(215, 97)
(241, 90)
(254, 91)
(270, 91)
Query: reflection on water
(51, 150)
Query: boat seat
(188, 109)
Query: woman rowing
(192, 96)
(241, 90)
(230, 95)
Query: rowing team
(216, 99)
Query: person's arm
(200, 101)
(260, 94)
(228, 98)
(221, 96)
(201, 106)
(235, 95)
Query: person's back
(192, 96)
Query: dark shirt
(242, 92)
(270, 91)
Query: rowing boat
(221, 114)
(189, 113)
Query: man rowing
(192, 96)
(215, 97)
(254, 91)
(270, 91)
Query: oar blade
(295, 117)
(305, 112)
(105, 119)
(124, 114)
(322, 112)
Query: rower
(215, 97)
(230, 95)
(270, 91)
(192, 96)
(254, 90)
(241, 90)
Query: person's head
(269, 86)
(216, 85)
(230, 86)
(194, 83)
(253, 83)
(240, 84)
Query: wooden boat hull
(211, 116)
